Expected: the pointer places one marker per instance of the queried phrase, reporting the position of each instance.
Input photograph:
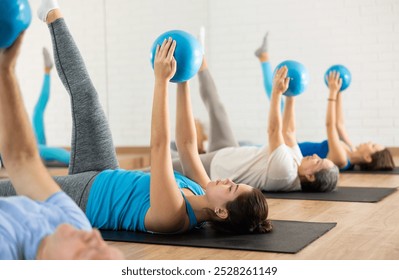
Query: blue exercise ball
(188, 54)
(299, 77)
(343, 73)
(15, 17)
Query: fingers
(282, 72)
(157, 50)
(167, 48)
(333, 77)
(287, 82)
(171, 50)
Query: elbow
(271, 130)
(289, 133)
(186, 146)
(21, 158)
(330, 124)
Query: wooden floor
(364, 230)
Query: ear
(367, 158)
(310, 177)
(221, 213)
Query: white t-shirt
(255, 167)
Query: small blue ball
(188, 54)
(15, 17)
(343, 73)
(299, 77)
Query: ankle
(53, 15)
(263, 57)
(204, 65)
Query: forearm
(275, 122)
(331, 117)
(289, 124)
(18, 146)
(186, 136)
(17, 141)
(342, 133)
(160, 134)
(336, 151)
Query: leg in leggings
(92, 147)
(206, 160)
(267, 75)
(49, 154)
(267, 78)
(38, 112)
(220, 134)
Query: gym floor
(364, 231)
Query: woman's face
(220, 192)
(368, 149)
(313, 164)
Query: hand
(165, 63)
(281, 81)
(8, 57)
(334, 82)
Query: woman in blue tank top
(338, 147)
(163, 201)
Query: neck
(355, 157)
(199, 204)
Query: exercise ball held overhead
(299, 77)
(188, 54)
(15, 17)
(344, 74)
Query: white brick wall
(115, 38)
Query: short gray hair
(326, 180)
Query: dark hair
(325, 181)
(246, 214)
(381, 160)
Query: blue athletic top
(25, 222)
(119, 199)
(320, 149)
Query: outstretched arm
(289, 127)
(336, 151)
(186, 137)
(166, 212)
(342, 133)
(17, 141)
(275, 128)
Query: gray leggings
(92, 149)
(220, 132)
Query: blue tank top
(119, 199)
(320, 149)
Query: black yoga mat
(286, 237)
(395, 171)
(348, 194)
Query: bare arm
(167, 211)
(289, 127)
(17, 142)
(275, 128)
(186, 137)
(342, 133)
(336, 151)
